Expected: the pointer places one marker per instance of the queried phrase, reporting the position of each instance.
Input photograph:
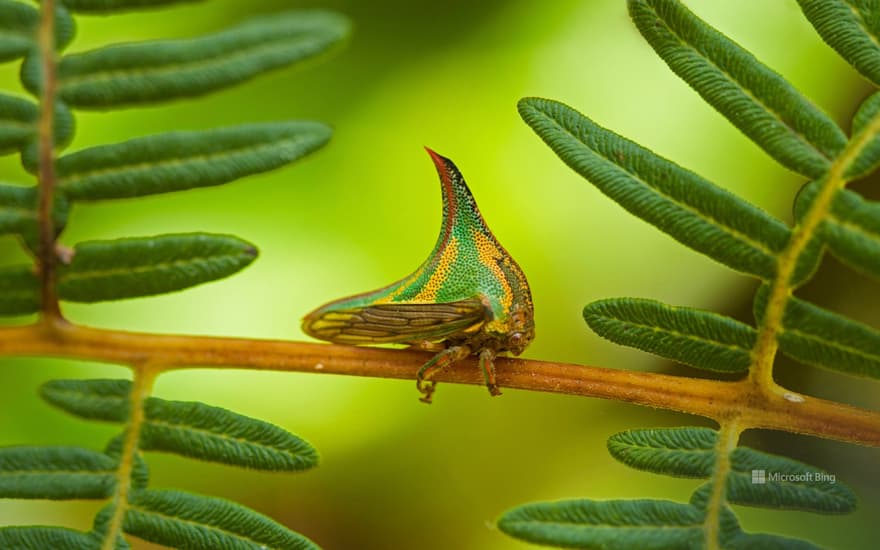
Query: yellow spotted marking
(403, 285)
(489, 255)
(442, 270)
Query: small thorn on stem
(64, 254)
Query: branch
(761, 371)
(47, 161)
(718, 400)
(728, 437)
(141, 388)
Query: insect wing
(395, 322)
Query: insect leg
(427, 345)
(437, 363)
(487, 365)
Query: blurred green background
(365, 210)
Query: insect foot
(437, 363)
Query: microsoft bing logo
(762, 477)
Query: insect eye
(516, 339)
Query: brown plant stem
(46, 40)
(718, 400)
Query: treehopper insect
(468, 297)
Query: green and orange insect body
(468, 297)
